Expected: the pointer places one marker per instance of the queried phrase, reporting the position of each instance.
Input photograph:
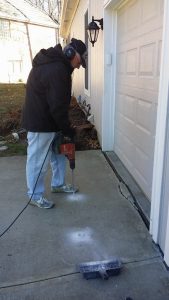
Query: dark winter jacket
(48, 93)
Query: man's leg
(58, 165)
(38, 155)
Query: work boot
(42, 203)
(66, 188)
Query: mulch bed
(86, 134)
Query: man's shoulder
(58, 67)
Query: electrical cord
(10, 225)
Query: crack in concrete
(124, 191)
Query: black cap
(80, 47)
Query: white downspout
(108, 107)
(166, 249)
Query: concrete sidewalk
(39, 254)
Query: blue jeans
(39, 144)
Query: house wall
(41, 37)
(94, 94)
(16, 50)
(15, 58)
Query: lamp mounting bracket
(100, 21)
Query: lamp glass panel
(93, 35)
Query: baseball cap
(80, 47)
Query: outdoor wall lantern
(93, 30)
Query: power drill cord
(10, 225)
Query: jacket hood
(50, 55)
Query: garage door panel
(125, 150)
(125, 117)
(142, 165)
(129, 129)
(162, 7)
(131, 62)
(154, 113)
(147, 60)
(139, 40)
(121, 63)
(119, 149)
(120, 121)
(145, 114)
(149, 36)
(144, 140)
(149, 84)
(126, 128)
(129, 149)
(143, 184)
(120, 103)
(133, 15)
(133, 90)
(130, 108)
(150, 10)
(121, 23)
(138, 18)
(127, 156)
(159, 57)
(143, 172)
(145, 85)
(140, 66)
(137, 135)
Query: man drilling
(45, 117)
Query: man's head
(76, 52)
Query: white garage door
(139, 39)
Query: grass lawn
(11, 98)
(14, 149)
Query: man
(45, 116)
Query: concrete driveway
(40, 252)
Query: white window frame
(88, 92)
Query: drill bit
(73, 185)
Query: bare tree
(51, 7)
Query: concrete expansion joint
(131, 263)
(37, 280)
(156, 258)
